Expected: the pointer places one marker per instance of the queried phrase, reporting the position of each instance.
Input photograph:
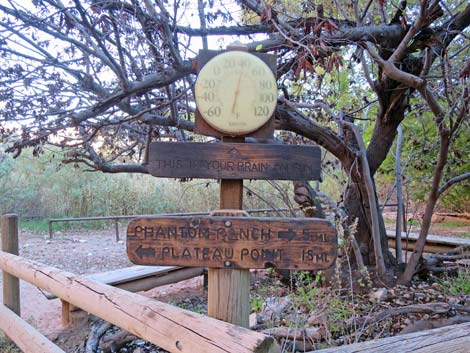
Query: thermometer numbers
(236, 92)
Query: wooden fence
(116, 219)
(434, 243)
(169, 327)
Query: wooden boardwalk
(449, 339)
(434, 243)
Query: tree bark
(356, 196)
(357, 206)
(414, 263)
(398, 225)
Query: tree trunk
(307, 199)
(357, 206)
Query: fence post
(50, 229)
(11, 284)
(116, 227)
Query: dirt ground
(451, 226)
(79, 252)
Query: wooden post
(50, 229)
(229, 289)
(66, 313)
(11, 284)
(116, 226)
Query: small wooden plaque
(234, 161)
(232, 242)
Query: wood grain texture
(26, 337)
(169, 327)
(228, 290)
(228, 295)
(129, 274)
(147, 283)
(66, 313)
(11, 284)
(129, 278)
(449, 339)
(232, 242)
(234, 161)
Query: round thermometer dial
(236, 92)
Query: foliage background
(42, 187)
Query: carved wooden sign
(234, 161)
(232, 242)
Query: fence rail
(172, 328)
(26, 337)
(117, 218)
(169, 327)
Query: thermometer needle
(237, 91)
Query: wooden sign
(234, 161)
(232, 242)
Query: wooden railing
(116, 219)
(171, 328)
(448, 339)
(26, 337)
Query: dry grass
(7, 346)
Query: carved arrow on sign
(286, 234)
(233, 152)
(224, 241)
(145, 252)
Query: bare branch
(452, 181)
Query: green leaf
(259, 47)
(319, 70)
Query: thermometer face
(236, 92)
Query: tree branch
(152, 81)
(453, 181)
(293, 120)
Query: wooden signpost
(232, 242)
(236, 95)
(234, 161)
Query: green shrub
(457, 285)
